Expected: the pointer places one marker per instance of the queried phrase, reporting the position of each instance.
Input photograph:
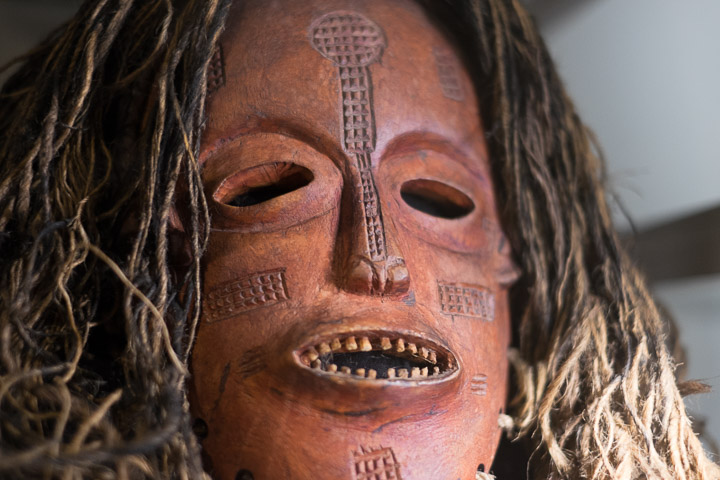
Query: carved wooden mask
(355, 316)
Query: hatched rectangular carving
(357, 113)
(216, 71)
(376, 464)
(244, 294)
(467, 300)
(448, 74)
(478, 385)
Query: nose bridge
(372, 262)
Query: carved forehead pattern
(352, 42)
(448, 74)
(348, 39)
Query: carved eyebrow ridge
(417, 141)
(322, 142)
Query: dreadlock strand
(71, 132)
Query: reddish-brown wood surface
(355, 318)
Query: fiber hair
(100, 130)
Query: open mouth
(378, 356)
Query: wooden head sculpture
(355, 314)
(284, 223)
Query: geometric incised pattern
(246, 293)
(216, 71)
(353, 42)
(347, 39)
(251, 363)
(376, 464)
(467, 300)
(478, 385)
(371, 208)
(448, 74)
(357, 113)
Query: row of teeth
(320, 357)
(363, 344)
(415, 372)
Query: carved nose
(373, 265)
(377, 277)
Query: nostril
(385, 277)
(398, 278)
(361, 276)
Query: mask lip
(377, 356)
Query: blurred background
(645, 76)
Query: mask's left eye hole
(262, 183)
(436, 198)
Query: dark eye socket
(262, 183)
(436, 198)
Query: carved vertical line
(371, 207)
(357, 110)
(352, 43)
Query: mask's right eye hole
(262, 183)
(436, 198)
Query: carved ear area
(179, 252)
(507, 271)
(262, 183)
(436, 198)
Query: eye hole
(262, 183)
(436, 198)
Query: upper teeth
(320, 357)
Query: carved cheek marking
(246, 293)
(251, 363)
(375, 464)
(448, 74)
(478, 385)
(216, 70)
(467, 301)
(352, 43)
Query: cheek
(253, 284)
(301, 255)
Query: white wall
(645, 75)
